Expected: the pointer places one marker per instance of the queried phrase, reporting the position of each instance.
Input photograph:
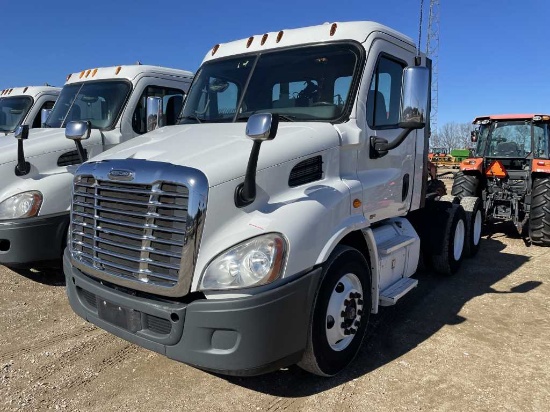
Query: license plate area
(121, 316)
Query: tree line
(452, 136)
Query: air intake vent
(306, 171)
(70, 158)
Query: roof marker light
(279, 36)
(215, 49)
(81, 74)
(88, 73)
(68, 77)
(333, 29)
(25, 89)
(264, 39)
(94, 72)
(118, 69)
(537, 118)
(249, 42)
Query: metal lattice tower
(432, 51)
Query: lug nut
(359, 312)
(346, 302)
(347, 332)
(358, 295)
(357, 323)
(352, 331)
(343, 325)
(360, 302)
(343, 313)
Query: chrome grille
(130, 230)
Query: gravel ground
(479, 340)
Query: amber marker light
(356, 203)
(264, 39)
(215, 49)
(68, 77)
(94, 72)
(81, 74)
(118, 69)
(279, 36)
(88, 73)
(333, 29)
(25, 89)
(249, 42)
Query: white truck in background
(243, 255)
(24, 106)
(36, 169)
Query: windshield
(12, 111)
(99, 102)
(306, 83)
(512, 139)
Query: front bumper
(34, 239)
(243, 336)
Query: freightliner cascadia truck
(288, 205)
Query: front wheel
(340, 314)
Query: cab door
(387, 181)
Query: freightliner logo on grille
(117, 174)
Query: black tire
(465, 185)
(539, 218)
(474, 222)
(320, 357)
(446, 258)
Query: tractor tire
(447, 258)
(465, 185)
(341, 312)
(450, 198)
(474, 222)
(539, 219)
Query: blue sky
(493, 55)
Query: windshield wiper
(284, 117)
(192, 117)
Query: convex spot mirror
(415, 88)
(78, 130)
(262, 126)
(22, 132)
(154, 113)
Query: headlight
(257, 261)
(26, 204)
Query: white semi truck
(242, 255)
(36, 169)
(24, 106)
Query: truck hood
(40, 141)
(221, 150)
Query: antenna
(432, 51)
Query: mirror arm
(379, 147)
(80, 150)
(245, 193)
(23, 167)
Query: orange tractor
(510, 171)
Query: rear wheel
(340, 313)
(447, 256)
(539, 219)
(474, 222)
(464, 185)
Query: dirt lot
(477, 341)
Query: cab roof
(128, 72)
(29, 91)
(354, 30)
(524, 116)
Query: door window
(384, 94)
(172, 102)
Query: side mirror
(262, 126)
(474, 134)
(22, 167)
(78, 130)
(44, 114)
(415, 89)
(155, 118)
(22, 132)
